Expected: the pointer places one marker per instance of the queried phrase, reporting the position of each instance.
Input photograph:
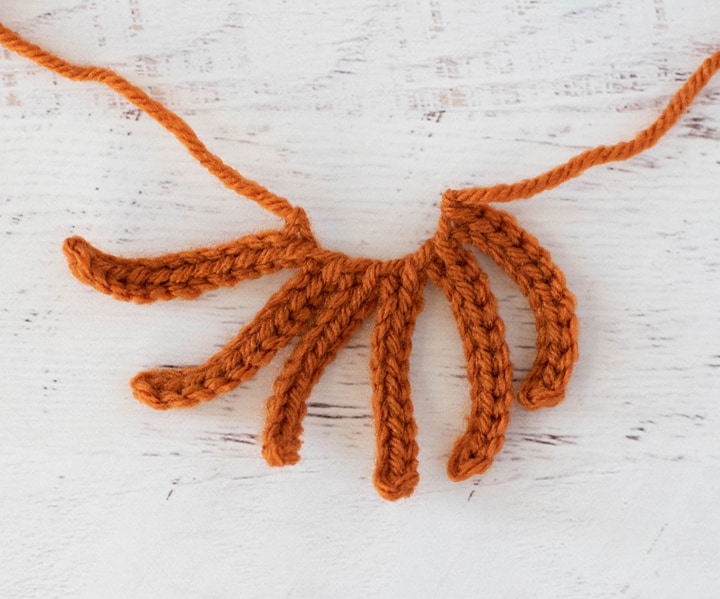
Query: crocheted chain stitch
(331, 295)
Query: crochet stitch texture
(331, 295)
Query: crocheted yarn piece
(331, 295)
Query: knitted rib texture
(331, 294)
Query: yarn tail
(527, 188)
(170, 121)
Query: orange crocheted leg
(519, 254)
(287, 313)
(185, 274)
(342, 313)
(400, 301)
(488, 361)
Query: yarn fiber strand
(647, 138)
(332, 294)
(170, 121)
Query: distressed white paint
(362, 112)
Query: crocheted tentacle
(287, 314)
(400, 301)
(185, 274)
(342, 313)
(489, 369)
(519, 254)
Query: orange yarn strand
(163, 115)
(332, 294)
(473, 196)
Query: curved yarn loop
(332, 294)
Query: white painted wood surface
(362, 112)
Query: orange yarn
(332, 294)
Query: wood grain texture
(361, 112)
